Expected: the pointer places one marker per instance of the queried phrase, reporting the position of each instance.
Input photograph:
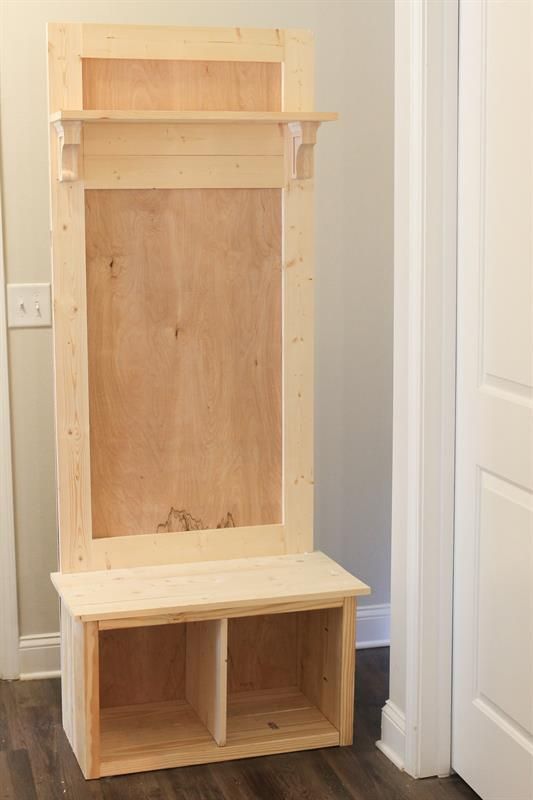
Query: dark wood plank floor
(36, 762)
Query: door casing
(416, 720)
(9, 631)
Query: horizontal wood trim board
(184, 172)
(148, 607)
(143, 139)
(212, 754)
(155, 548)
(171, 43)
(220, 613)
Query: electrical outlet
(28, 305)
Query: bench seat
(210, 589)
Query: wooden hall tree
(197, 623)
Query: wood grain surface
(142, 665)
(151, 84)
(184, 340)
(161, 735)
(221, 72)
(231, 586)
(188, 43)
(262, 652)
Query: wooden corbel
(69, 140)
(303, 136)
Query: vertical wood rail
(70, 314)
(91, 698)
(206, 684)
(298, 306)
(347, 676)
(298, 365)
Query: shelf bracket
(303, 140)
(69, 140)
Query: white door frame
(416, 720)
(9, 632)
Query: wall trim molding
(373, 626)
(9, 633)
(392, 742)
(425, 266)
(39, 653)
(39, 656)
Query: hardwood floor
(36, 762)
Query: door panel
(505, 520)
(493, 605)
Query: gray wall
(354, 237)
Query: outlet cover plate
(28, 305)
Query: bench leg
(80, 691)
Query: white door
(493, 606)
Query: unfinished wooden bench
(197, 623)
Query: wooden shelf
(164, 125)
(192, 117)
(170, 734)
(177, 592)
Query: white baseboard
(392, 742)
(39, 656)
(373, 626)
(39, 653)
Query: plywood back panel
(142, 665)
(184, 339)
(263, 652)
(181, 85)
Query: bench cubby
(284, 674)
(158, 692)
(207, 670)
